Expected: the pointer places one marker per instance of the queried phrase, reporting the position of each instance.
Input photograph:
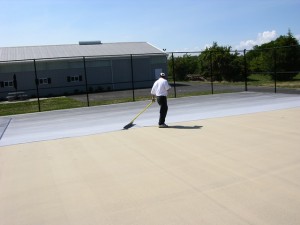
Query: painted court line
(4, 123)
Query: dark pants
(162, 101)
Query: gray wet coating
(52, 125)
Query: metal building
(56, 70)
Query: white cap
(162, 74)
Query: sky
(174, 25)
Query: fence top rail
(237, 50)
(141, 54)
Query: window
(44, 81)
(6, 84)
(74, 78)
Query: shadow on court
(185, 127)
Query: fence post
(132, 81)
(245, 71)
(86, 83)
(173, 68)
(275, 69)
(211, 73)
(37, 85)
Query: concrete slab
(234, 170)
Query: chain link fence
(267, 70)
(47, 84)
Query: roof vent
(90, 43)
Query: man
(160, 91)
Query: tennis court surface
(226, 159)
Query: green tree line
(221, 63)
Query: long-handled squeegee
(131, 122)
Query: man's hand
(153, 99)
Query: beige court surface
(236, 170)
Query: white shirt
(160, 87)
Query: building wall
(67, 76)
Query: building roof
(77, 50)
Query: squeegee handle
(142, 111)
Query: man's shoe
(163, 126)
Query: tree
(183, 66)
(225, 64)
(282, 55)
(287, 57)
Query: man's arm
(153, 92)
